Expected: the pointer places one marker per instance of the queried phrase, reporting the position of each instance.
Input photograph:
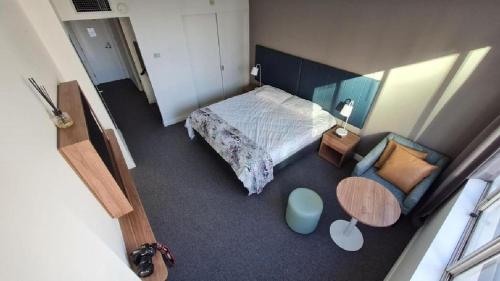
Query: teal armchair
(365, 169)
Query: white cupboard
(234, 45)
(204, 55)
(218, 48)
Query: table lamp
(346, 112)
(257, 70)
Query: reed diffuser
(61, 119)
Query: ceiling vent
(91, 5)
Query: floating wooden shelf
(75, 145)
(118, 194)
(135, 225)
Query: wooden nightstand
(250, 87)
(336, 149)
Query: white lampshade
(255, 71)
(347, 109)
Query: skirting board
(174, 120)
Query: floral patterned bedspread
(252, 164)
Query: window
(485, 270)
(478, 255)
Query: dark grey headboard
(325, 85)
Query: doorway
(109, 51)
(110, 54)
(100, 50)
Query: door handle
(108, 45)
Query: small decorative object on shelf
(61, 119)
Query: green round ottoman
(303, 210)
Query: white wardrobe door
(203, 46)
(234, 45)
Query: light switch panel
(156, 55)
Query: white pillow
(273, 94)
(302, 106)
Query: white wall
(52, 226)
(439, 60)
(159, 29)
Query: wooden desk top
(368, 201)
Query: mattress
(276, 128)
(256, 131)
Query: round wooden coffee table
(366, 201)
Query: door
(100, 50)
(203, 47)
(234, 50)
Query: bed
(256, 131)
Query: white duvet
(278, 122)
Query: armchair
(365, 168)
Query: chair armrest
(418, 191)
(369, 159)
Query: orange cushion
(405, 170)
(389, 148)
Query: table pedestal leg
(346, 235)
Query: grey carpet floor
(198, 207)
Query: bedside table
(250, 87)
(336, 149)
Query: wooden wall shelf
(75, 145)
(135, 225)
(118, 194)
